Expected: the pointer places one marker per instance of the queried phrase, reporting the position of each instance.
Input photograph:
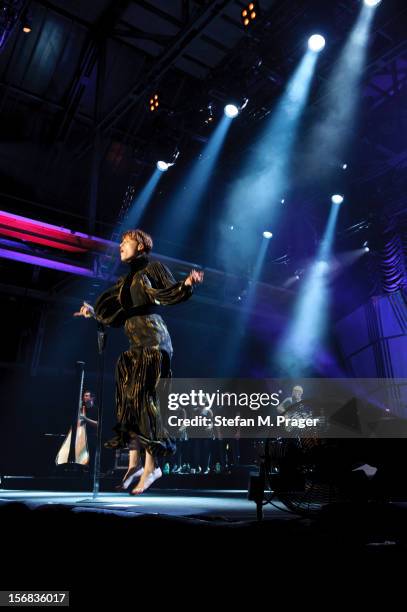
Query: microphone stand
(101, 341)
(101, 344)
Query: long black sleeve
(164, 289)
(108, 309)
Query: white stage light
(162, 166)
(231, 111)
(316, 43)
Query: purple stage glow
(45, 263)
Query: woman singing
(134, 302)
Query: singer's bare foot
(146, 481)
(132, 475)
(130, 478)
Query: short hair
(141, 237)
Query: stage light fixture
(26, 24)
(209, 116)
(372, 2)
(316, 43)
(337, 199)
(267, 235)
(154, 103)
(344, 166)
(162, 166)
(231, 111)
(249, 13)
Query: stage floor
(231, 505)
(176, 527)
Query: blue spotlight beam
(266, 175)
(140, 202)
(132, 219)
(265, 180)
(331, 135)
(186, 201)
(298, 351)
(234, 343)
(260, 260)
(325, 249)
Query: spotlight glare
(322, 266)
(337, 199)
(231, 111)
(316, 43)
(344, 166)
(162, 166)
(372, 2)
(367, 250)
(267, 235)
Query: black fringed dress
(134, 302)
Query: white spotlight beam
(265, 176)
(298, 350)
(331, 135)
